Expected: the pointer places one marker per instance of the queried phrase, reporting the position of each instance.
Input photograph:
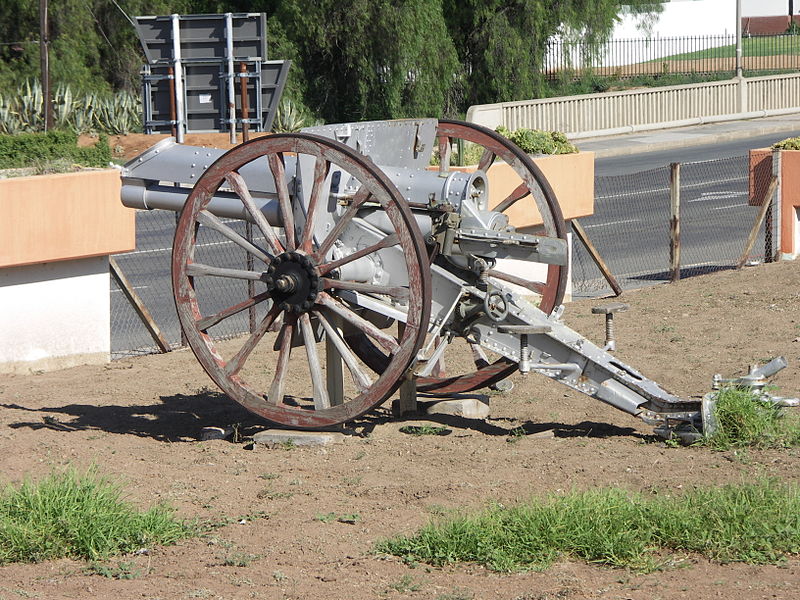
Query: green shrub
(79, 516)
(787, 144)
(29, 149)
(535, 141)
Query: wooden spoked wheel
(301, 298)
(529, 194)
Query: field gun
(377, 269)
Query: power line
(124, 13)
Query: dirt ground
(140, 420)
(125, 147)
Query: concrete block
(215, 433)
(278, 437)
(467, 408)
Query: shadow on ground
(181, 418)
(176, 418)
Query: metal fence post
(675, 221)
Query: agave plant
(24, 111)
(288, 118)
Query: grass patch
(426, 429)
(756, 523)
(767, 45)
(744, 420)
(79, 516)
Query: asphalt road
(632, 163)
(630, 228)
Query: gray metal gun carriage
(367, 262)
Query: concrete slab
(280, 437)
(215, 433)
(476, 407)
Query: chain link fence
(148, 268)
(630, 229)
(631, 225)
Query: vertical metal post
(245, 100)
(44, 60)
(738, 38)
(172, 112)
(675, 221)
(177, 65)
(231, 77)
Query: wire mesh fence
(148, 269)
(631, 224)
(630, 228)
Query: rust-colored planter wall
(570, 175)
(61, 217)
(760, 173)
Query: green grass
(78, 516)
(419, 430)
(752, 46)
(746, 421)
(756, 523)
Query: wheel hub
(293, 280)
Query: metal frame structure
(189, 81)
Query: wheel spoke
(320, 173)
(361, 379)
(401, 293)
(321, 400)
(384, 340)
(237, 362)
(275, 395)
(389, 240)
(518, 194)
(278, 170)
(534, 286)
(444, 154)
(206, 322)
(201, 270)
(360, 197)
(238, 185)
(212, 221)
(487, 158)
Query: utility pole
(44, 58)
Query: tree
(93, 45)
(502, 43)
(370, 59)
